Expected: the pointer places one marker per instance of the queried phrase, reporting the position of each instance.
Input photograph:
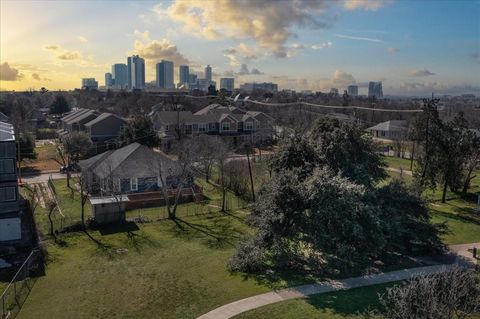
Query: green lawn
(397, 162)
(162, 270)
(335, 305)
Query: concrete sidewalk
(230, 310)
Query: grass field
(46, 153)
(161, 270)
(397, 162)
(335, 305)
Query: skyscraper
(352, 90)
(119, 75)
(208, 72)
(227, 84)
(375, 89)
(108, 80)
(165, 75)
(183, 74)
(136, 72)
(192, 78)
(89, 84)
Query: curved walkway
(237, 307)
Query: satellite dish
(236, 98)
(246, 99)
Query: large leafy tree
(140, 129)
(59, 105)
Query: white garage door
(10, 229)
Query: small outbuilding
(108, 209)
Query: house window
(118, 186)
(166, 128)
(225, 126)
(382, 133)
(159, 182)
(7, 166)
(134, 184)
(249, 126)
(7, 194)
(202, 127)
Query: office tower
(165, 75)
(352, 90)
(136, 72)
(89, 84)
(227, 84)
(333, 91)
(375, 89)
(119, 75)
(192, 78)
(208, 73)
(108, 80)
(183, 74)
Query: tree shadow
(218, 233)
(138, 241)
(117, 228)
(463, 217)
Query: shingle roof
(73, 114)
(80, 117)
(169, 117)
(103, 116)
(6, 132)
(4, 118)
(391, 126)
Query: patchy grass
(335, 305)
(45, 161)
(161, 270)
(397, 162)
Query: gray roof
(106, 164)
(108, 199)
(6, 132)
(80, 117)
(169, 117)
(391, 126)
(103, 116)
(73, 114)
(4, 118)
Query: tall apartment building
(136, 72)
(10, 219)
(165, 75)
(119, 75)
(183, 75)
(227, 84)
(352, 90)
(208, 73)
(375, 89)
(89, 84)
(108, 80)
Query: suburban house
(390, 130)
(101, 128)
(15, 223)
(135, 172)
(229, 122)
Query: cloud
(358, 38)
(52, 47)
(419, 73)
(268, 23)
(426, 88)
(145, 35)
(342, 78)
(82, 39)
(392, 50)
(70, 55)
(9, 73)
(322, 45)
(243, 71)
(370, 5)
(156, 50)
(36, 76)
(256, 71)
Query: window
(382, 133)
(117, 187)
(7, 166)
(225, 126)
(8, 194)
(249, 126)
(159, 182)
(202, 127)
(134, 184)
(166, 128)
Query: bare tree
(206, 146)
(51, 206)
(221, 157)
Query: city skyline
(414, 48)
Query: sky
(415, 47)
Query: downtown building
(89, 84)
(184, 75)
(136, 72)
(375, 89)
(265, 86)
(120, 76)
(352, 90)
(164, 71)
(228, 84)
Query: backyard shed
(108, 209)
